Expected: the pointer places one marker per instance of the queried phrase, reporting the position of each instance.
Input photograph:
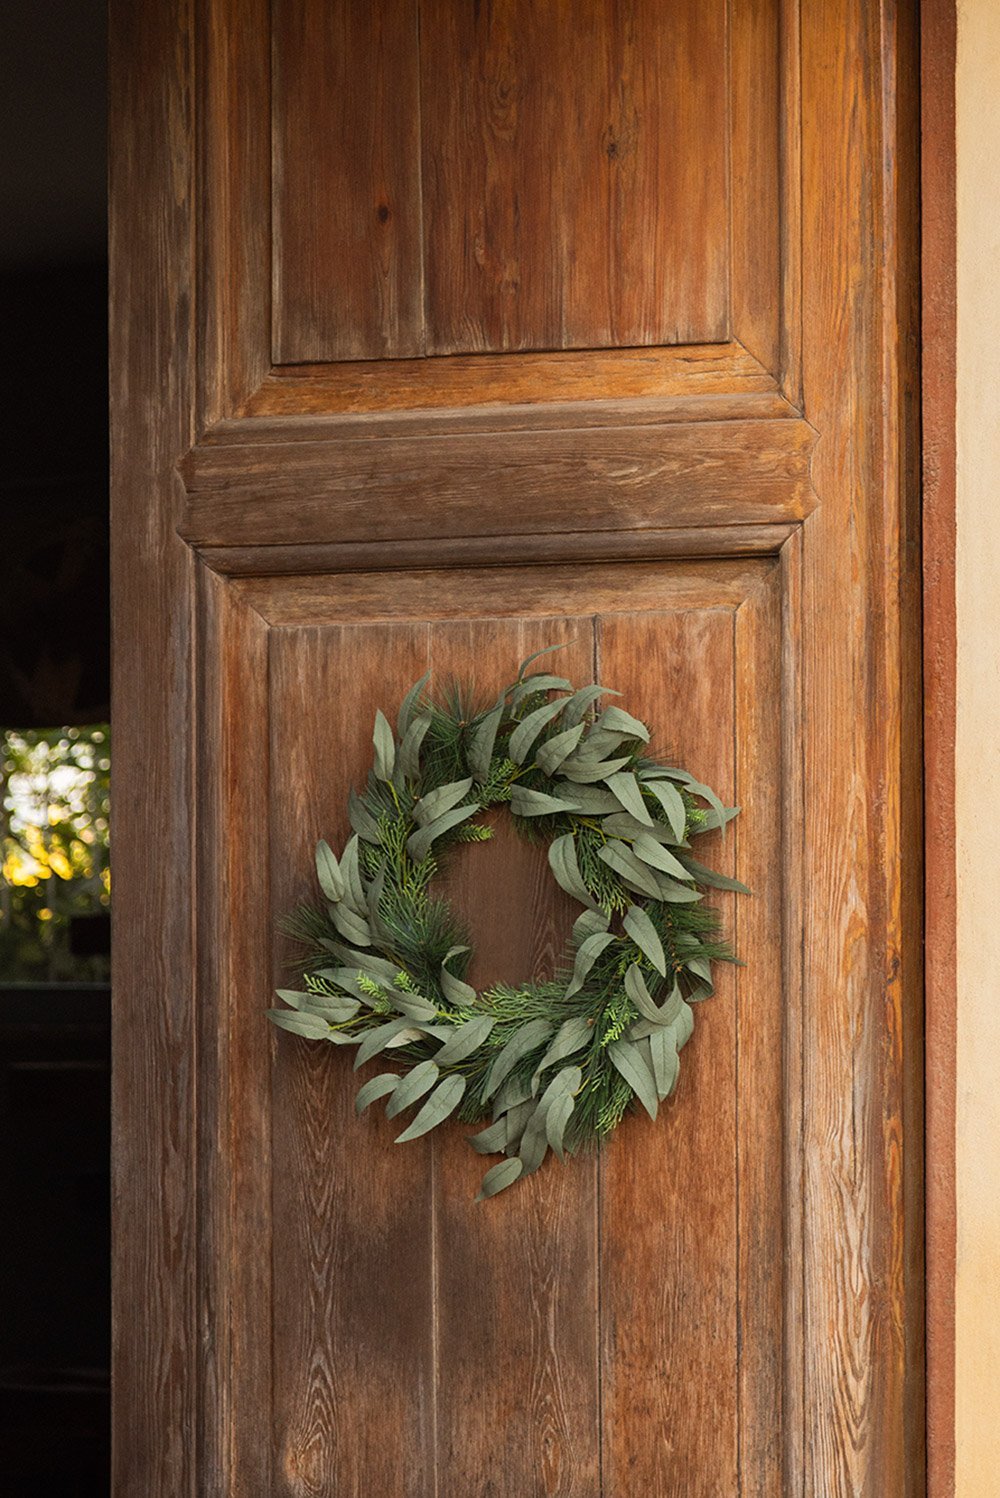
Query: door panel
(445, 332)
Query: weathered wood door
(443, 331)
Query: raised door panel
(599, 1325)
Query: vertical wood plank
(516, 1281)
(352, 1214)
(574, 174)
(346, 181)
(669, 1205)
(756, 206)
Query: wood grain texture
(348, 256)
(352, 1216)
(156, 1361)
(516, 1282)
(703, 473)
(757, 99)
(574, 170)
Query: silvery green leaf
(620, 824)
(412, 1087)
(333, 1007)
(672, 802)
(354, 892)
(454, 990)
(499, 1177)
(409, 749)
(577, 706)
(414, 1005)
(652, 852)
(482, 742)
(709, 877)
(582, 770)
(409, 1035)
(556, 1119)
(547, 650)
(312, 1026)
(573, 1034)
(529, 686)
(331, 880)
(667, 772)
(442, 1102)
(293, 996)
(566, 869)
(702, 968)
(588, 924)
(515, 1091)
(361, 819)
(418, 844)
(599, 743)
(347, 979)
(587, 954)
(375, 1088)
(534, 1145)
(627, 1058)
(385, 747)
(527, 731)
(684, 1025)
(378, 968)
(466, 1040)
(591, 800)
(440, 800)
(640, 996)
(409, 703)
(665, 1061)
(617, 720)
(373, 900)
(528, 803)
(376, 1040)
(491, 1140)
(722, 814)
(672, 893)
(353, 928)
(644, 934)
(516, 1120)
(715, 819)
(524, 1040)
(550, 755)
(619, 856)
(626, 788)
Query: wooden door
(441, 332)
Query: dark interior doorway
(54, 701)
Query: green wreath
(553, 1064)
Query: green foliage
(554, 1064)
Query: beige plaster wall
(978, 751)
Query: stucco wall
(978, 751)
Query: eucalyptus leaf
(619, 857)
(379, 968)
(566, 870)
(414, 1005)
(588, 924)
(709, 877)
(361, 819)
(530, 686)
(440, 1105)
(517, 1089)
(627, 1058)
(640, 996)
(573, 1034)
(642, 931)
(491, 1140)
(523, 1041)
(375, 1088)
(525, 802)
(499, 1177)
(625, 788)
(537, 655)
(376, 1040)
(466, 1040)
(587, 954)
(665, 1061)
(454, 990)
(556, 1119)
(621, 824)
(652, 852)
(347, 979)
(353, 928)
(516, 1121)
(582, 770)
(354, 892)
(312, 1026)
(578, 705)
(550, 755)
(673, 893)
(436, 802)
(592, 800)
(331, 880)
(529, 728)
(385, 747)
(409, 749)
(480, 754)
(409, 703)
(672, 802)
(412, 1087)
(418, 845)
(617, 720)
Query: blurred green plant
(54, 806)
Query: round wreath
(553, 1064)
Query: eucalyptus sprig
(554, 1064)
